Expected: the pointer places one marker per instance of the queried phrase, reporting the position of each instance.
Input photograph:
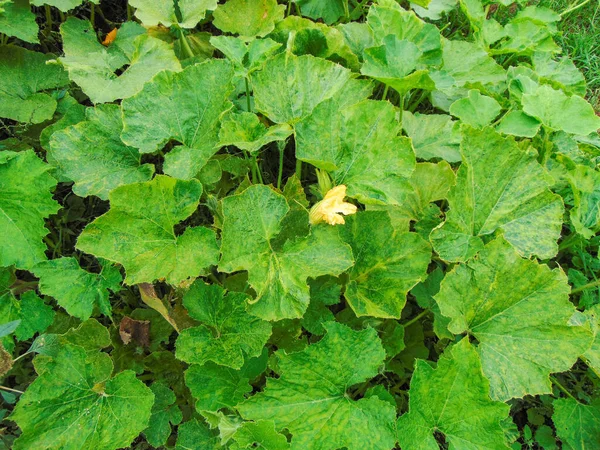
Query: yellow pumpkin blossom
(331, 208)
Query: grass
(580, 40)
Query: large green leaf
(215, 387)
(185, 107)
(361, 148)
(74, 403)
(476, 110)
(585, 215)
(33, 314)
(23, 77)
(63, 5)
(452, 399)
(388, 264)
(92, 154)
(394, 63)
(520, 313)
(557, 111)
(247, 132)
(227, 332)
(592, 355)
(95, 68)
(25, 201)
(289, 87)
(76, 290)
(260, 434)
(330, 11)
(388, 17)
(138, 232)
(258, 237)
(499, 187)
(184, 13)
(433, 135)
(248, 18)
(16, 19)
(310, 397)
(577, 425)
(164, 413)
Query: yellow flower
(331, 208)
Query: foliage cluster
(341, 224)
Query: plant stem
(48, 29)
(93, 14)
(128, 11)
(586, 286)
(299, 169)
(574, 8)
(258, 171)
(401, 106)
(248, 102)
(347, 10)
(416, 318)
(385, 92)
(185, 44)
(562, 388)
(4, 388)
(281, 148)
(289, 8)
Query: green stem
(347, 10)
(281, 148)
(586, 286)
(562, 388)
(129, 14)
(574, 8)
(416, 318)
(299, 169)
(93, 14)
(252, 168)
(289, 8)
(258, 171)
(185, 44)
(401, 106)
(4, 388)
(248, 102)
(48, 29)
(385, 92)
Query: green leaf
(394, 64)
(68, 112)
(140, 54)
(592, 355)
(330, 11)
(248, 18)
(452, 399)
(185, 107)
(577, 425)
(247, 57)
(504, 189)
(260, 434)
(433, 135)
(76, 290)
(517, 123)
(257, 238)
(194, 435)
(435, 9)
(215, 387)
(138, 232)
(388, 264)
(151, 13)
(388, 17)
(247, 132)
(355, 144)
(25, 201)
(33, 314)
(424, 293)
(557, 111)
(289, 87)
(164, 413)
(90, 335)
(562, 74)
(16, 19)
(476, 110)
(324, 291)
(106, 413)
(23, 77)
(585, 216)
(92, 154)
(62, 5)
(490, 296)
(227, 332)
(310, 397)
